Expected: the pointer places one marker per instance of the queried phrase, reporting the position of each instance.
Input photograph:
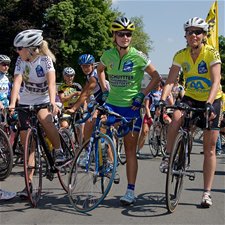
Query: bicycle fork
(183, 171)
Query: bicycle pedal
(191, 176)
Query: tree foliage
(72, 28)
(144, 43)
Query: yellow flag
(212, 20)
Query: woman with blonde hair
(34, 68)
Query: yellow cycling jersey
(197, 74)
(68, 90)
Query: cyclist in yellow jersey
(69, 92)
(201, 66)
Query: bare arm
(101, 76)
(64, 98)
(15, 89)
(51, 86)
(147, 108)
(153, 73)
(215, 75)
(85, 94)
(172, 77)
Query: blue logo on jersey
(128, 66)
(40, 71)
(202, 67)
(198, 83)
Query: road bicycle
(179, 162)
(95, 165)
(121, 155)
(10, 156)
(39, 159)
(75, 127)
(6, 152)
(157, 137)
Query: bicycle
(121, 151)
(37, 156)
(6, 152)
(157, 137)
(179, 161)
(75, 128)
(94, 166)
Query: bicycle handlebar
(188, 109)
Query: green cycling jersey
(124, 74)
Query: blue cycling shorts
(128, 113)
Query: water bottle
(49, 144)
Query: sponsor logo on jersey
(40, 72)
(128, 66)
(186, 67)
(202, 67)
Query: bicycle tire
(174, 181)
(69, 153)
(153, 142)
(34, 186)
(88, 187)
(6, 156)
(121, 151)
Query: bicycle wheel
(174, 178)
(6, 156)
(33, 167)
(91, 178)
(69, 152)
(121, 151)
(153, 141)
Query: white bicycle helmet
(196, 22)
(4, 59)
(68, 71)
(28, 38)
(122, 23)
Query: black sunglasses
(19, 48)
(5, 64)
(122, 34)
(196, 32)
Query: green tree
(72, 27)
(76, 27)
(18, 15)
(144, 43)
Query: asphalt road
(54, 207)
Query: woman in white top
(34, 68)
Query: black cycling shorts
(201, 122)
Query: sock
(207, 192)
(131, 187)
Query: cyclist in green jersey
(201, 66)
(125, 68)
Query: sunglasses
(5, 64)
(122, 34)
(19, 48)
(196, 32)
